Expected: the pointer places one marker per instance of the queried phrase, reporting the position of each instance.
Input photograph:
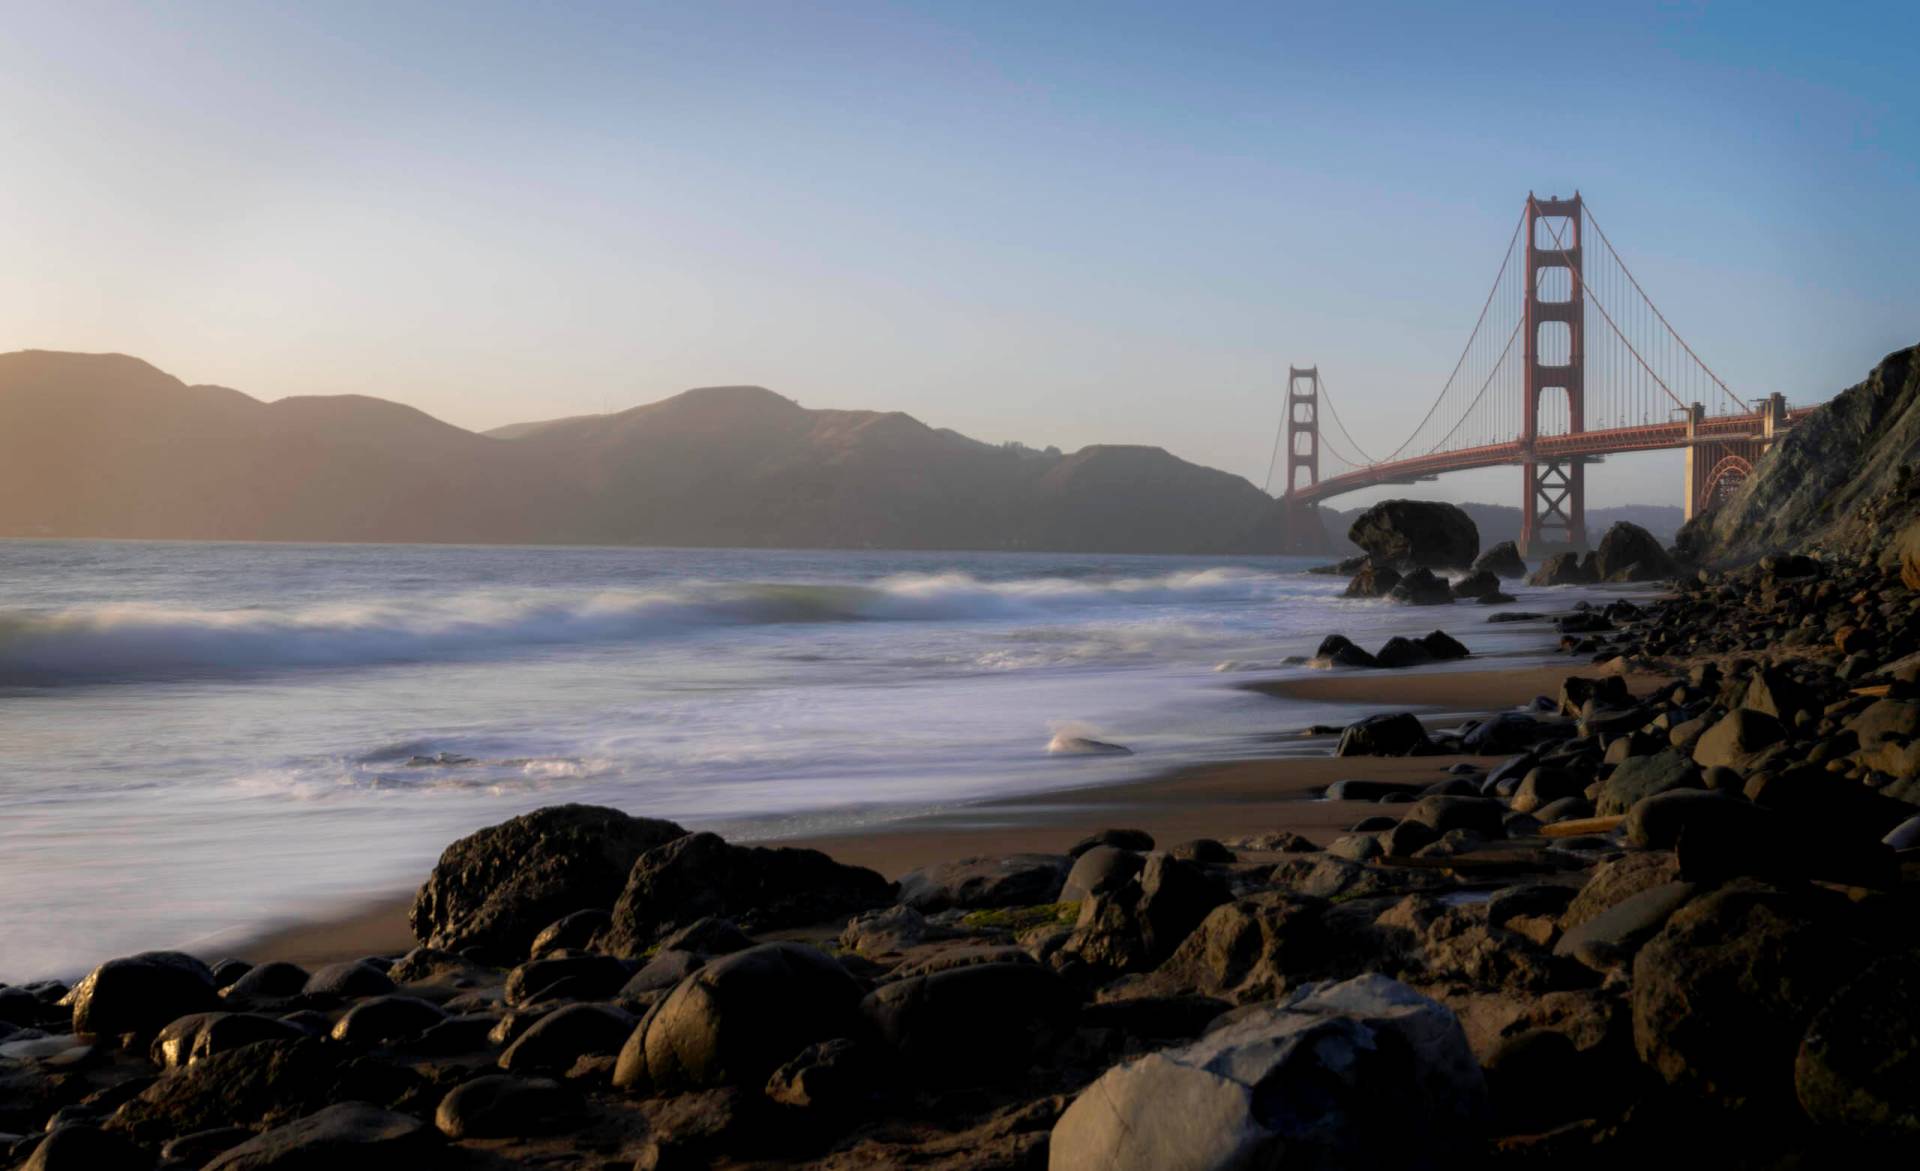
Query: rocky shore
(1666, 911)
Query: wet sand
(1223, 800)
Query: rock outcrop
(1417, 534)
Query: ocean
(198, 741)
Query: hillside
(104, 445)
(1843, 477)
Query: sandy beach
(1214, 800)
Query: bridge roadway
(1610, 441)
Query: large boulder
(503, 1106)
(735, 1021)
(267, 1081)
(1255, 948)
(1638, 777)
(1738, 739)
(1724, 994)
(1859, 1064)
(759, 888)
(135, 996)
(498, 888)
(1365, 1073)
(1012, 880)
(1503, 560)
(977, 1023)
(1425, 534)
(1628, 552)
(1396, 734)
(1373, 581)
(1422, 587)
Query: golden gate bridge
(1569, 361)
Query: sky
(1060, 223)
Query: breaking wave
(144, 641)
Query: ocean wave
(148, 640)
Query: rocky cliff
(1840, 479)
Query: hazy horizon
(1067, 226)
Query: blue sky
(1060, 223)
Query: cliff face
(96, 445)
(1836, 480)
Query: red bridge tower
(1554, 517)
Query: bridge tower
(1305, 533)
(1553, 516)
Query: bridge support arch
(1716, 467)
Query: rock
(1398, 652)
(1444, 646)
(349, 980)
(759, 888)
(1561, 569)
(1628, 552)
(1858, 1068)
(981, 1023)
(1611, 938)
(198, 1036)
(710, 936)
(738, 1019)
(502, 1106)
(554, 1042)
(1656, 822)
(1723, 995)
(1421, 587)
(199, 1148)
(1544, 785)
(1738, 739)
(1616, 881)
(667, 968)
(897, 928)
(569, 977)
(1207, 851)
(496, 889)
(350, 1134)
(1604, 691)
(1098, 871)
(1640, 777)
(384, 1019)
(1775, 693)
(1398, 734)
(1136, 926)
(80, 1147)
(1251, 949)
(840, 1078)
(1905, 836)
(570, 932)
(1138, 840)
(1366, 1073)
(1480, 814)
(1065, 745)
(1502, 560)
(1360, 847)
(228, 970)
(1479, 584)
(1014, 880)
(137, 995)
(1336, 650)
(270, 981)
(1422, 533)
(1373, 581)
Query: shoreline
(1214, 799)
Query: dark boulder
(1337, 650)
(496, 889)
(350, 1134)
(1628, 552)
(1502, 560)
(1012, 880)
(81, 1147)
(1098, 871)
(383, 1019)
(1723, 995)
(1639, 777)
(1561, 569)
(500, 1105)
(1426, 534)
(972, 1024)
(554, 1042)
(1421, 587)
(570, 932)
(276, 980)
(759, 888)
(1373, 581)
(348, 980)
(201, 1035)
(135, 996)
(1444, 646)
(569, 977)
(1138, 924)
(1481, 583)
(1397, 734)
(1398, 652)
(1125, 839)
(1858, 1068)
(738, 1019)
